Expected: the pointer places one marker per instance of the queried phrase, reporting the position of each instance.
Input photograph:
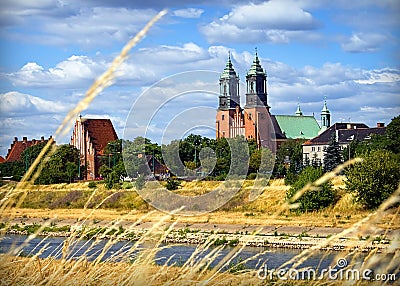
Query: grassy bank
(67, 201)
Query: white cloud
(72, 72)
(364, 42)
(16, 103)
(188, 13)
(272, 21)
(273, 15)
(380, 76)
(72, 24)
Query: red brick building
(254, 121)
(234, 121)
(90, 137)
(17, 147)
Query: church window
(223, 116)
(224, 88)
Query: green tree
(104, 170)
(289, 158)
(71, 170)
(393, 135)
(240, 156)
(61, 167)
(261, 160)
(332, 155)
(375, 178)
(135, 158)
(312, 199)
(112, 180)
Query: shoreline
(252, 236)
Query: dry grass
(262, 210)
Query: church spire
(229, 96)
(229, 71)
(256, 68)
(325, 116)
(298, 111)
(256, 80)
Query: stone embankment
(232, 236)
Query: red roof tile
(101, 132)
(17, 147)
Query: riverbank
(290, 237)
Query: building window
(313, 149)
(223, 116)
(223, 134)
(319, 148)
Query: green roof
(296, 127)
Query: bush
(290, 179)
(92, 185)
(312, 199)
(375, 178)
(172, 184)
(112, 180)
(251, 176)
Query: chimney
(380, 124)
(25, 139)
(42, 139)
(348, 125)
(33, 141)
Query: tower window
(223, 116)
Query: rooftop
(345, 133)
(296, 126)
(101, 132)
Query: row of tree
(61, 167)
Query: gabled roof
(295, 127)
(346, 132)
(17, 147)
(101, 132)
(158, 167)
(2, 159)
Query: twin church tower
(255, 121)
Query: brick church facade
(90, 137)
(254, 121)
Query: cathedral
(255, 121)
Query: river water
(171, 254)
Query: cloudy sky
(52, 50)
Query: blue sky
(51, 51)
